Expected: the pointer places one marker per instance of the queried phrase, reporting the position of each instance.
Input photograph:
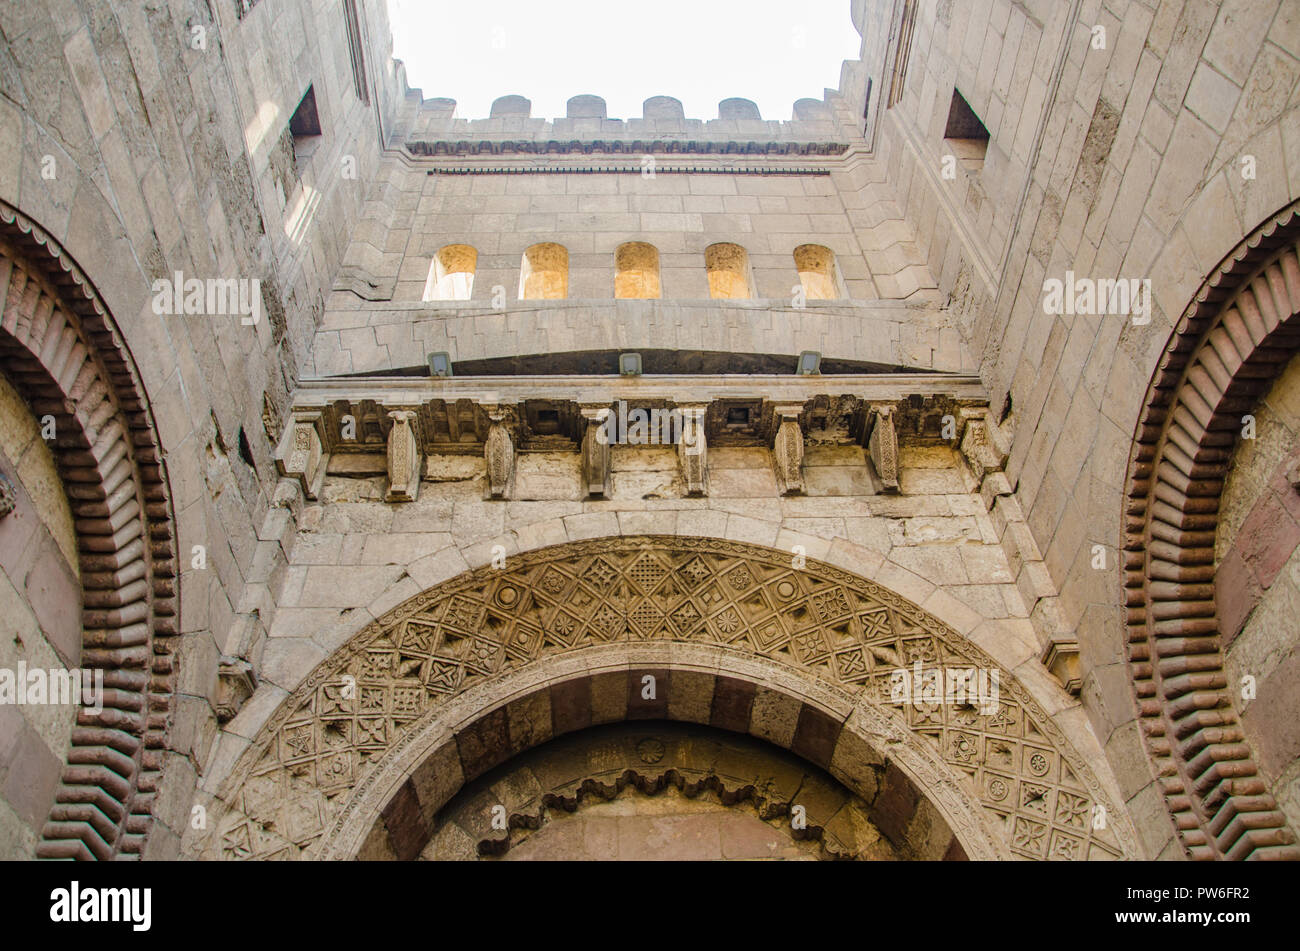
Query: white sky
(625, 51)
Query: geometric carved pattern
(300, 772)
(63, 351)
(1227, 349)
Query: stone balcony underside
(377, 426)
(364, 337)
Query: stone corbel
(301, 454)
(882, 446)
(1061, 658)
(692, 449)
(787, 450)
(404, 458)
(235, 684)
(982, 445)
(595, 450)
(499, 451)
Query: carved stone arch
(63, 351)
(1229, 345)
(431, 675)
(810, 812)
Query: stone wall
(1127, 139)
(1258, 569)
(332, 566)
(149, 140)
(1119, 160)
(39, 600)
(681, 211)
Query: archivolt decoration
(292, 789)
(1227, 348)
(65, 354)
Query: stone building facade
(446, 488)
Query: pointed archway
(461, 677)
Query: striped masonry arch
(1230, 344)
(63, 351)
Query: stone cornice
(549, 147)
(404, 391)
(628, 170)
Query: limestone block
(404, 460)
(882, 445)
(595, 451)
(236, 682)
(692, 451)
(499, 450)
(787, 451)
(301, 454)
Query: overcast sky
(699, 51)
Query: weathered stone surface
(231, 472)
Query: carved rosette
(787, 450)
(882, 446)
(404, 458)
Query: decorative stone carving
(271, 419)
(1210, 780)
(692, 450)
(1061, 658)
(290, 792)
(499, 451)
(595, 451)
(8, 496)
(787, 450)
(300, 454)
(404, 458)
(707, 766)
(982, 445)
(236, 682)
(882, 446)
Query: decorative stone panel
(301, 781)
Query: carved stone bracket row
(404, 435)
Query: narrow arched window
(817, 272)
(451, 273)
(728, 267)
(544, 274)
(636, 266)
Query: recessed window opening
(636, 271)
(965, 134)
(729, 273)
(355, 49)
(451, 273)
(304, 129)
(818, 272)
(544, 274)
